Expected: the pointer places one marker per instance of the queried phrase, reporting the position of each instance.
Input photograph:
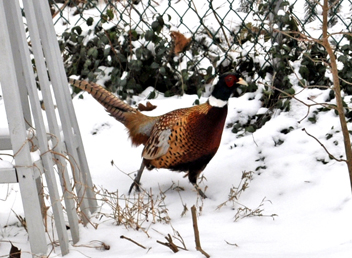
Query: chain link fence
(176, 44)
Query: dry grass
(137, 212)
(242, 211)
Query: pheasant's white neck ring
(217, 102)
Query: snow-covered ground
(312, 200)
(304, 197)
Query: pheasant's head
(227, 85)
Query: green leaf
(134, 35)
(158, 24)
(122, 82)
(85, 71)
(290, 91)
(93, 52)
(146, 52)
(139, 53)
(161, 51)
(110, 14)
(82, 53)
(96, 63)
(104, 39)
(138, 88)
(80, 39)
(87, 63)
(312, 119)
(90, 21)
(103, 18)
(199, 92)
(65, 36)
(160, 20)
(155, 26)
(343, 59)
(91, 76)
(152, 95)
(331, 94)
(77, 30)
(162, 70)
(107, 51)
(250, 129)
(136, 65)
(236, 127)
(167, 93)
(149, 35)
(209, 70)
(121, 57)
(184, 74)
(304, 71)
(154, 65)
(131, 84)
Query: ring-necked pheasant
(182, 140)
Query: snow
(311, 219)
(281, 12)
(305, 196)
(5, 164)
(312, 201)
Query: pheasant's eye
(230, 80)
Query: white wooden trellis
(22, 105)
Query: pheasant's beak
(242, 82)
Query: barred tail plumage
(115, 106)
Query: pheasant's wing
(157, 144)
(159, 141)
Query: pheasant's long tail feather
(115, 106)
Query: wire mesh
(240, 31)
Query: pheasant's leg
(193, 176)
(136, 181)
(200, 192)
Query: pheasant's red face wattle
(230, 80)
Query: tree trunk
(337, 90)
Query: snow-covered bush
(127, 47)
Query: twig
(169, 243)
(100, 246)
(301, 101)
(196, 232)
(205, 27)
(235, 192)
(322, 145)
(220, 24)
(21, 220)
(112, 47)
(349, 83)
(337, 90)
(60, 9)
(131, 240)
(178, 236)
(231, 244)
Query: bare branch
(221, 26)
(131, 240)
(196, 231)
(169, 243)
(322, 145)
(349, 83)
(337, 90)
